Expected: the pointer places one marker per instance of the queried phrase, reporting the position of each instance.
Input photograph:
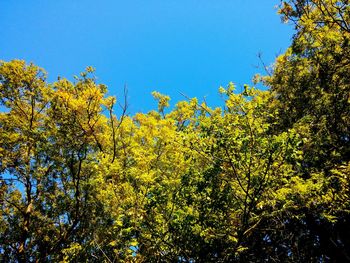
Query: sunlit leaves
(263, 177)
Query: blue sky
(172, 46)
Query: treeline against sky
(266, 177)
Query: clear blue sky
(172, 46)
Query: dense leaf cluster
(263, 178)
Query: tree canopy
(263, 178)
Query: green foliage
(263, 178)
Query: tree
(47, 135)
(263, 178)
(195, 182)
(311, 79)
(311, 85)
